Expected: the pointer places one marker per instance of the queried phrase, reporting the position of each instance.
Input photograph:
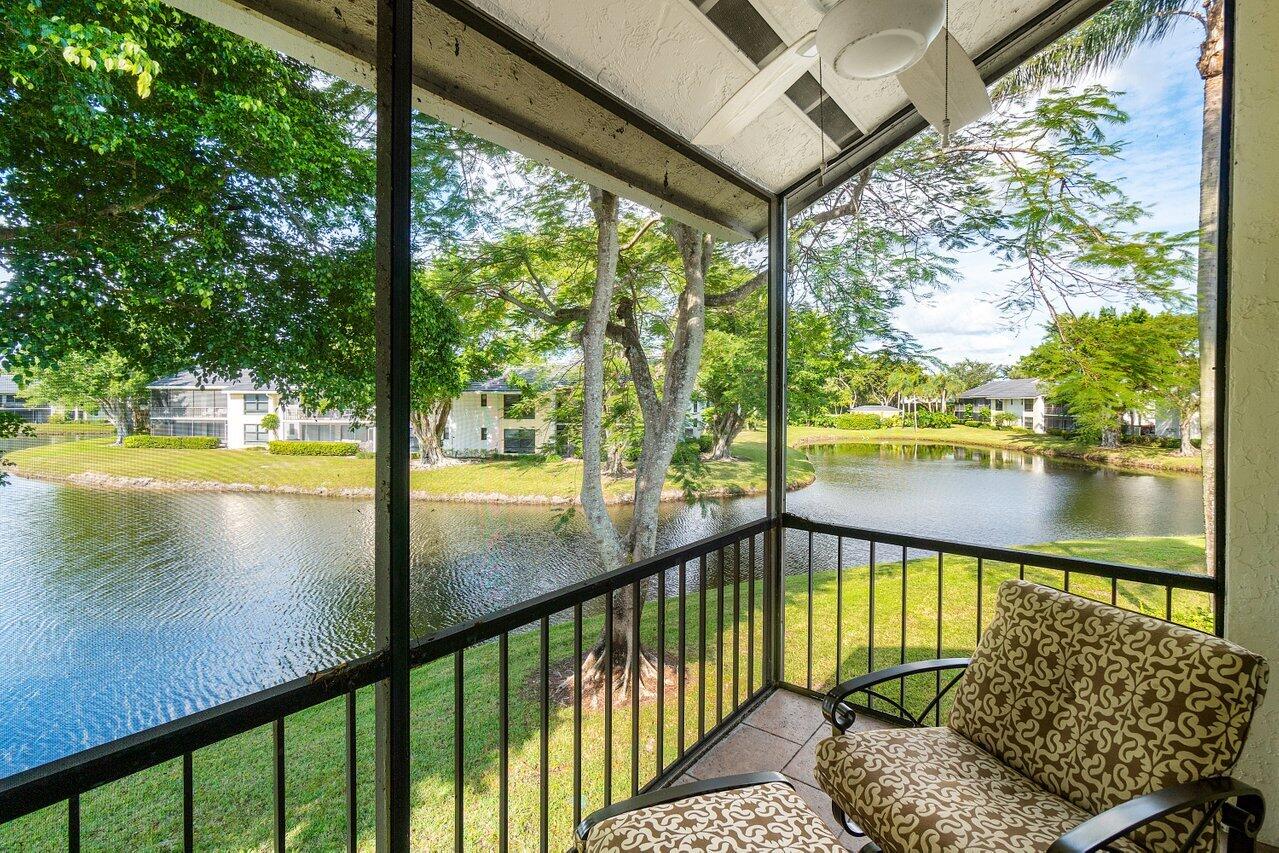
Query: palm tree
(1104, 41)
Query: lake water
(120, 610)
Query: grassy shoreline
(531, 480)
(1127, 457)
(233, 780)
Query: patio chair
(732, 814)
(1076, 726)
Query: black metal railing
(858, 600)
(512, 747)
(503, 696)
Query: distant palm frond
(1101, 42)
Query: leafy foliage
(171, 442)
(312, 448)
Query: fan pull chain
(945, 122)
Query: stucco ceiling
(613, 90)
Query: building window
(254, 433)
(511, 407)
(999, 405)
(256, 404)
(519, 441)
(1028, 403)
(1028, 422)
(447, 435)
(484, 433)
(484, 401)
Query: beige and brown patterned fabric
(1098, 704)
(933, 791)
(761, 817)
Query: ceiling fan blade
(769, 84)
(925, 85)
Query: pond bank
(546, 481)
(1127, 457)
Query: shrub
(58, 418)
(686, 452)
(1004, 420)
(270, 422)
(172, 442)
(977, 424)
(934, 420)
(705, 442)
(858, 420)
(313, 448)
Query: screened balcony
(749, 627)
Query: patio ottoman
(732, 814)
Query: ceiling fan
(868, 40)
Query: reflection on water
(123, 609)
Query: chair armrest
(840, 715)
(676, 793)
(1116, 822)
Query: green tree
(11, 426)
(969, 373)
(1104, 41)
(105, 381)
(158, 178)
(270, 422)
(1106, 364)
(734, 381)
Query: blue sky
(1163, 95)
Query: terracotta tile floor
(781, 734)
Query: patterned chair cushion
(762, 817)
(1098, 704)
(933, 791)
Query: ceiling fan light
(869, 39)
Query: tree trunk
(120, 412)
(428, 428)
(1186, 420)
(1110, 438)
(725, 428)
(1210, 69)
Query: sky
(1159, 168)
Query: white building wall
(468, 419)
(237, 418)
(1252, 386)
(1017, 406)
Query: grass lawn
(233, 780)
(1127, 456)
(86, 428)
(516, 477)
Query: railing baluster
(634, 656)
(1168, 604)
(544, 652)
(352, 803)
(188, 803)
(750, 619)
(504, 740)
(839, 609)
(459, 729)
(979, 591)
(608, 699)
(901, 689)
(808, 649)
(577, 714)
(701, 649)
(73, 824)
(941, 574)
(280, 823)
(870, 622)
(737, 618)
(659, 763)
(719, 641)
(683, 641)
(1065, 583)
(1114, 591)
(1021, 571)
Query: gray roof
(1006, 389)
(189, 379)
(7, 385)
(527, 376)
